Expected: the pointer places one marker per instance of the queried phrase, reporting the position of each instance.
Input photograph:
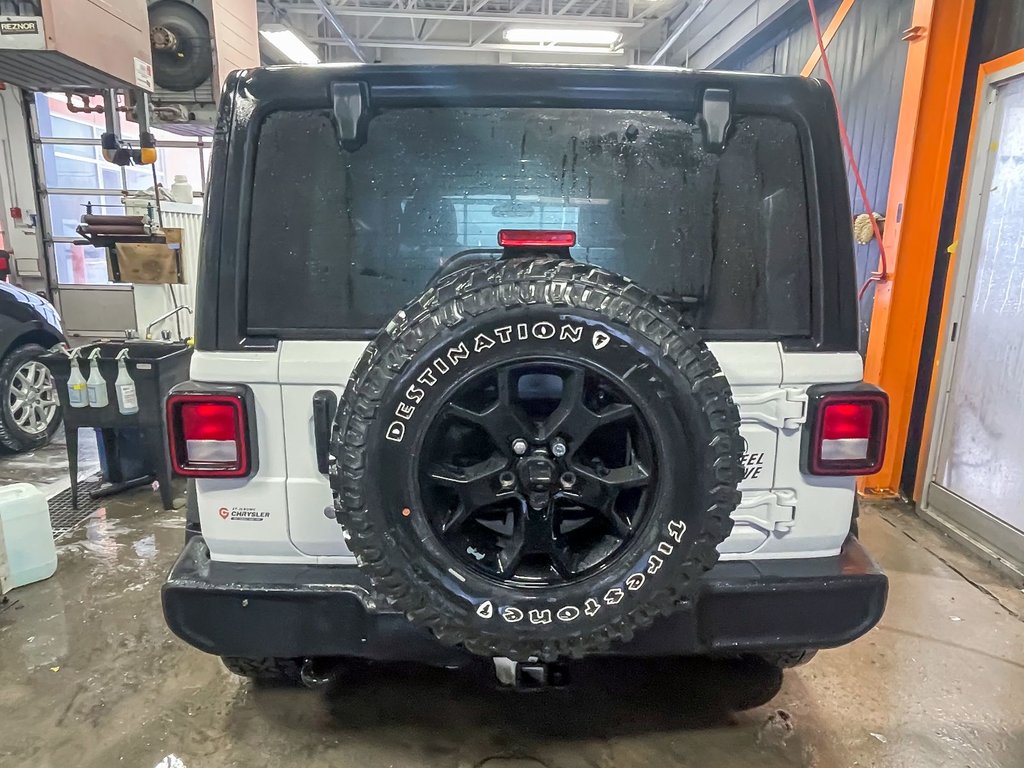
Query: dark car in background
(30, 411)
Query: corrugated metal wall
(868, 60)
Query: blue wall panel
(868, 61)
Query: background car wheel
(30, 412)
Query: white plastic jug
(26, 537)
(181, 190)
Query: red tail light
(208, 435)
(848, 433)
(536, 238)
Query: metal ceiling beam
(428, 32)
(666, 9)
(336, 23)
(488, 33)
(676, 34)
(413, 13)
(469, 46)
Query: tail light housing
(208, 435)
(846, 429)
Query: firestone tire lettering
(568, 613)
(491, 314)
(511, 614)
(614, 596)
(676, 529)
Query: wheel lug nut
(507, 479)
(568, 479)
(519, 446)
(558, 448)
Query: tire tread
(506, 285)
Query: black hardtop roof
(634, 87)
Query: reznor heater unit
(75, 44)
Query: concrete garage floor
(89, 676)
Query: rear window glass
(341, 239)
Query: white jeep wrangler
(527, 363)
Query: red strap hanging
(883, 267)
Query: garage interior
(108, 143)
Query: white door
(976, 465)
(307, 367)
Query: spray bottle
(77, 397)
(96, 385)
(124, 387)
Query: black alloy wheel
(539, 472)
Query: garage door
(976, 469)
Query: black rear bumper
(234, 609)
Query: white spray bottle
(77, 397)
(124, 387)
(96, 385)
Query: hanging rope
(883, 267)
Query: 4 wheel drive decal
(456, 353)
(568, 613)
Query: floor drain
(511, 762)
(64, 519)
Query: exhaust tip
(319, 673)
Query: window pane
(361, 232)
(179, 161)
(66, 211)
(57, 121)
(80, 264)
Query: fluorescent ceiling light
(290, 45)
(562, 35)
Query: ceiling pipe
(672, 38)
(336, 23)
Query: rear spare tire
(536, 458)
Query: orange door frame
(938, 38)
(981, 92)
